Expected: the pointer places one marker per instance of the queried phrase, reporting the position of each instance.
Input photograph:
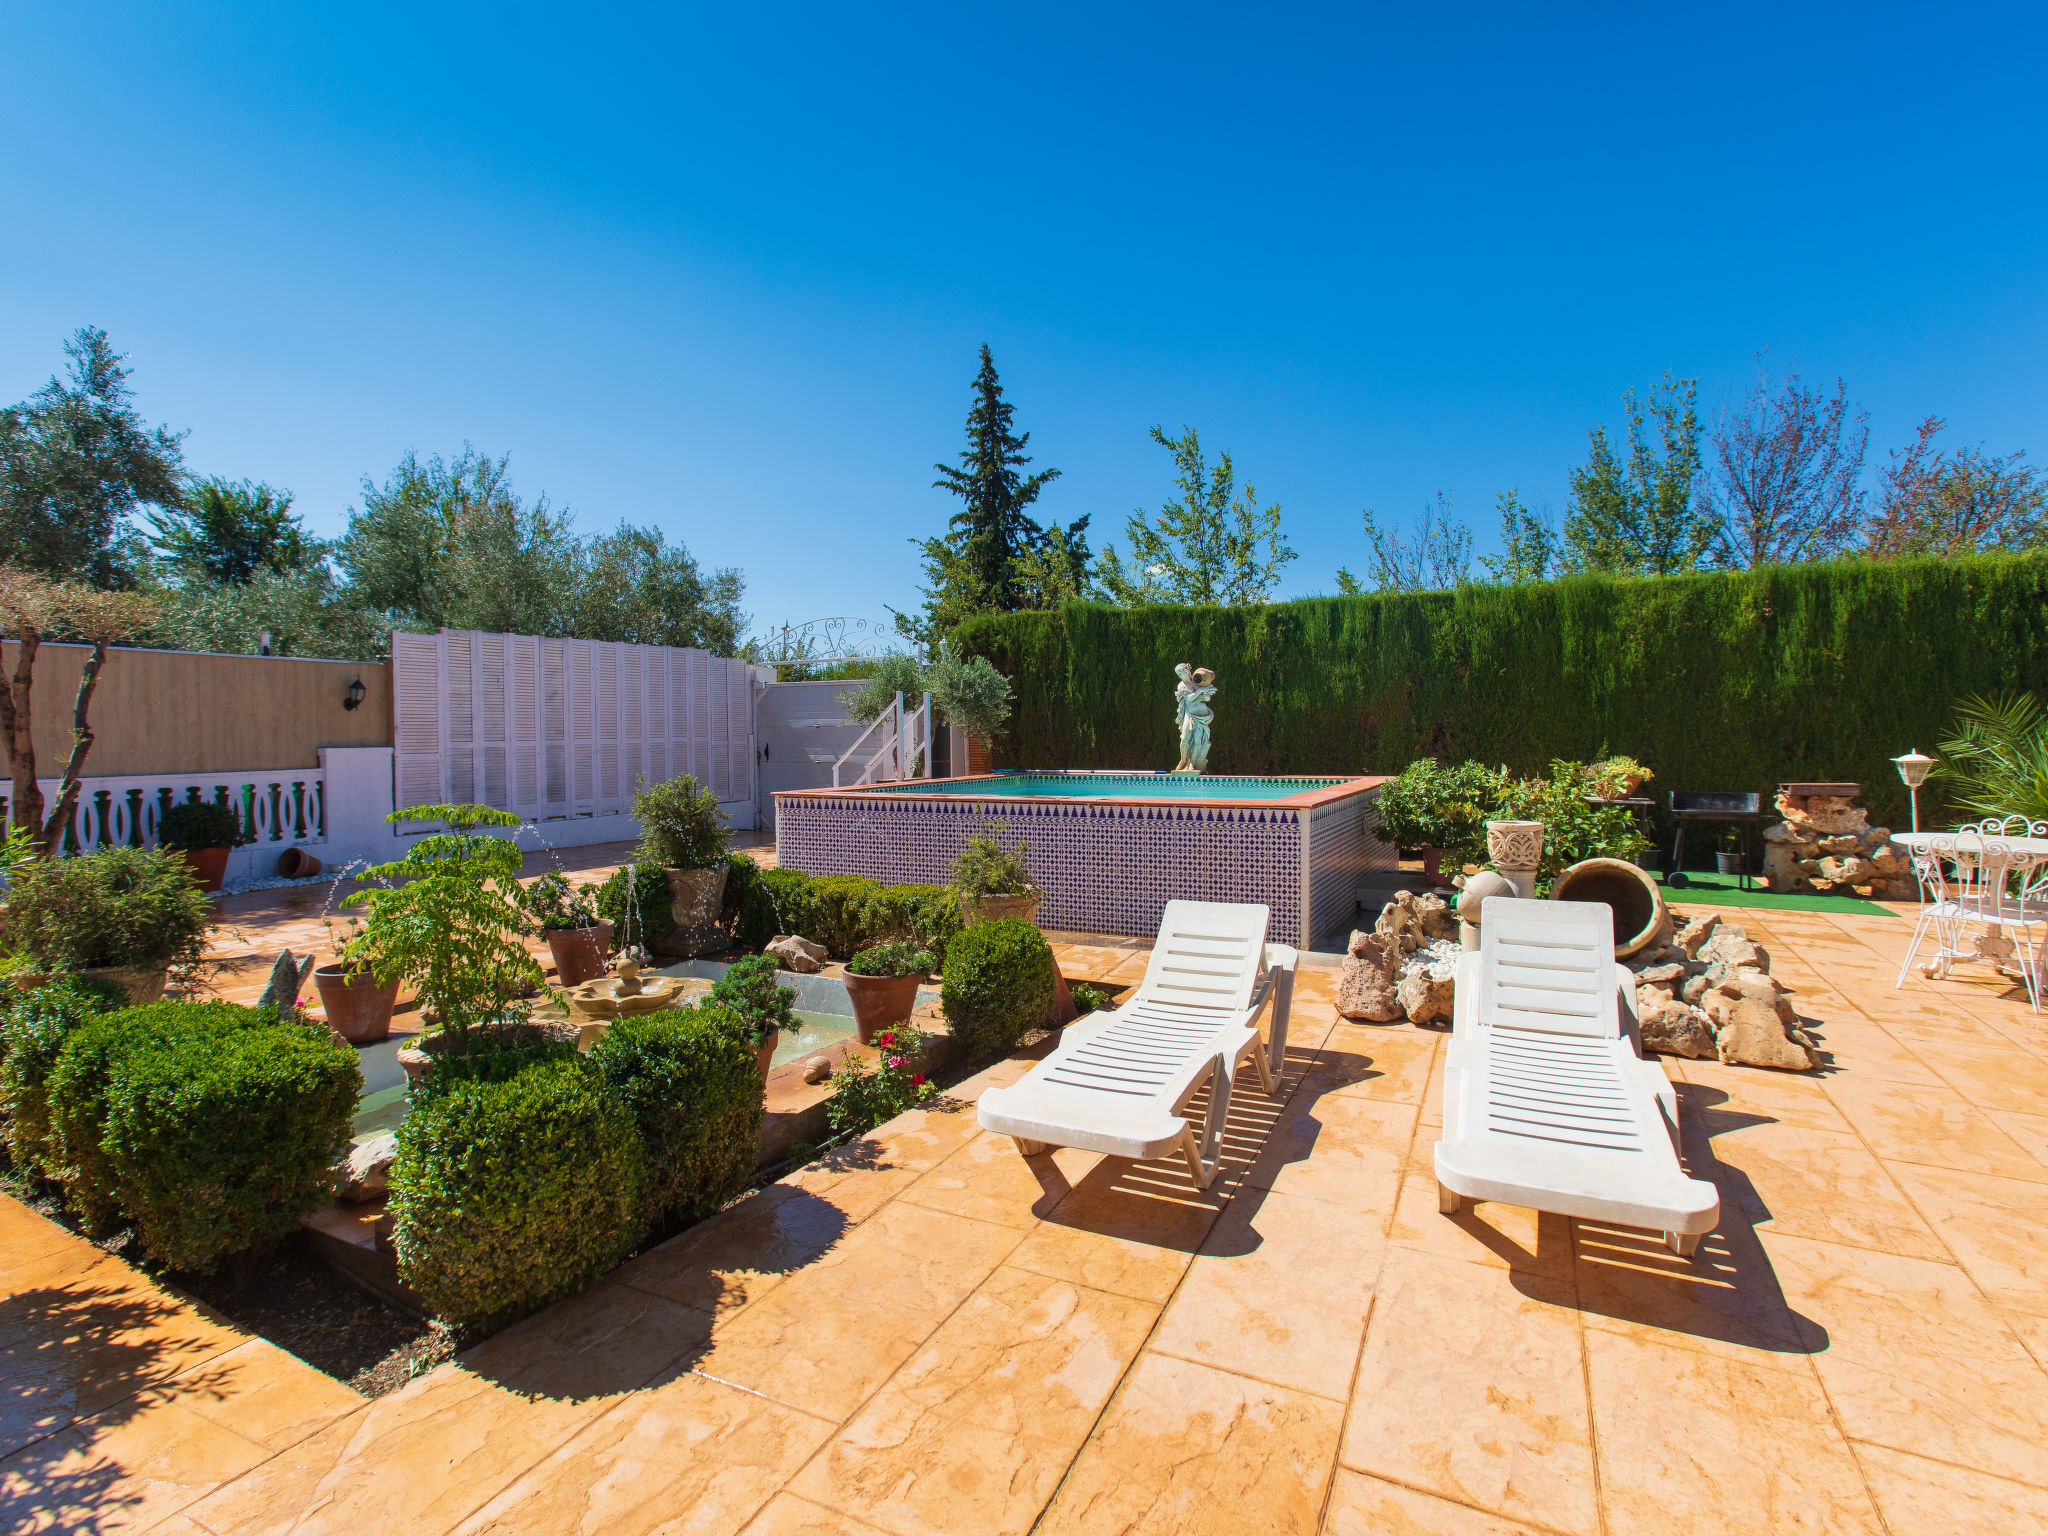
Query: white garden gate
(551, 728)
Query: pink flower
(895, 1061)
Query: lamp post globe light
(1913, 768)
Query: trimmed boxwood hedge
(688, 1078)
(79, 1085)
(211, 1127)
(999, 983)
(510, 1195)
(1734, 681)
(845, 913)
(33, 1029)
(220, 1143)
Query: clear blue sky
(726, 271)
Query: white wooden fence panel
(553, 728)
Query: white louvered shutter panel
(524, 745)
(700, 716)
(721, 732)
(740, 714)
(461, 717)
(554, 697)
(582, 719)
(657, 714)
(632, 718)
(493, 707)
(679, 712)
(416, 689)
(608, 727)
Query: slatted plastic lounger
(1117, 1081)
(1546, 1102)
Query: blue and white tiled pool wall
(1105, 866)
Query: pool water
(1114, 786)
(383, 1105)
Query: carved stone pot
(696, 901)
(142, 983)
(987, 909)
(1515, 849)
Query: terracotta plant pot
(579, 952)
(880, 1002)
(140, 982)
(764, 1054)
(210, 865)
(987, 909)
(358, 1006)
(297, 864)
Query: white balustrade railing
(905, 751)
(279, 808)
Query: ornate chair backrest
(1980, 865)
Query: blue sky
(725, 271)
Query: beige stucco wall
(180, 712)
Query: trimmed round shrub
(998, 984)
(510, 1195)
(687, 1076)
(219, 1143)
(842, 913)
(118, 906)
(488, 1060)
(33, 1030)
(765, 902)
(79, 1083)
(649, 899)
(928, 915)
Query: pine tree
(994, 556)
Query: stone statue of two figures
(1191, 707)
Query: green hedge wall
(1729, 681)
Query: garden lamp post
(1913, 772)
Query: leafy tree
(995, 556)
(634, 586)
(307, 611)
(1639, 519)
(1936, 503)
(451, 544)
(76, 461)
(1529, 547)
(1215, 544)
(32, 606)
(229, 530)
(1436, 556)
(1784, 478)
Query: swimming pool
(1110, 849)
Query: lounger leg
(1199, 1171)
(1205, 1158)
(1266, 1074)
(1447, 1202)
(1276, 1031)
(1029, 1148)
(1684, 1244)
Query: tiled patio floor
(931, 1335)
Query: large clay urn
(880, 1002)
(142, 983)
(696, 902)
(1635, 897)
(358, 1006)
(579, 953)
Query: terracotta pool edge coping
(1339, 789)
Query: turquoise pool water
(1114, 786)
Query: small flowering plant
(866, 1093)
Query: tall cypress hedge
(1732, 681)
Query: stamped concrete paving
(930, 1335)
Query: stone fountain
(624, 993)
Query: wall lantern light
(356, 690)
(1913, 768)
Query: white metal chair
(1547, 1103)
(1118, 1082)
(1969, 881)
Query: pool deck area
(927, 1335)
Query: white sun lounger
(1546, 1102)
(1117, 1081)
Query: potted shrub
(762, 1004)
(992, 881)
(686, 835)
(451, 925)
(883, 982)
(577, 938)
(205, 832)
(120, 915)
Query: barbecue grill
(1717, 807)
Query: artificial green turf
(1723, 891)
